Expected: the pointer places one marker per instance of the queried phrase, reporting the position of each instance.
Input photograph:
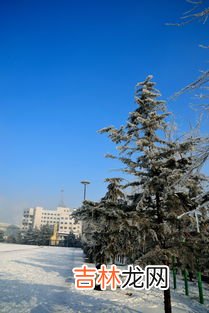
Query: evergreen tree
(72, 241)
(102, 223)
(158, 165)
(1, 236)
(37, 236)
(43, 235)
(28, 237)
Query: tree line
(40, 236)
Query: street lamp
(85, 183)
(195, 212)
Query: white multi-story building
(62, 217)
(27, 221)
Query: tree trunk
(113, 258)
(167, 301)
(159, 214)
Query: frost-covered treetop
(140, 133)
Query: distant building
(28, 217)
(62, 217)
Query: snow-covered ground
(40, 280)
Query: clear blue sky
(67, 69)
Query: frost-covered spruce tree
(157, 165)
(89, 227)
(108, 228)
(102, 222)
(117, 216)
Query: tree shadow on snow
(18, 296)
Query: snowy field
(39, 280)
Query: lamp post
(195, 212)
(199, 274)
(85, 183)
